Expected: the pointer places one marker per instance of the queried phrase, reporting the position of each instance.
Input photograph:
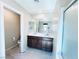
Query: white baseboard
(11, 47)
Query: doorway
(12, 31)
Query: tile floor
(29, 54)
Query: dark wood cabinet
(43, 43)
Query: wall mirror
(45, 27)
(42, 27)
(32, 26)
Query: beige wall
(12, 28)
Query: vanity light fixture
(36, 0)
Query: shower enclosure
(70, 32)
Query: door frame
(59, 54)
(19, 25)
(2, 26)
(69, 5)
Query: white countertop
(40, 35)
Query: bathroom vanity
(38, 42)
(40, 35)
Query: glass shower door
(70, 35)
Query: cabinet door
(39, 44)
(34, 43)
(47, 45)
(29, 43)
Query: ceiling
(60, 4)
(64, 3)
(43, 6)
